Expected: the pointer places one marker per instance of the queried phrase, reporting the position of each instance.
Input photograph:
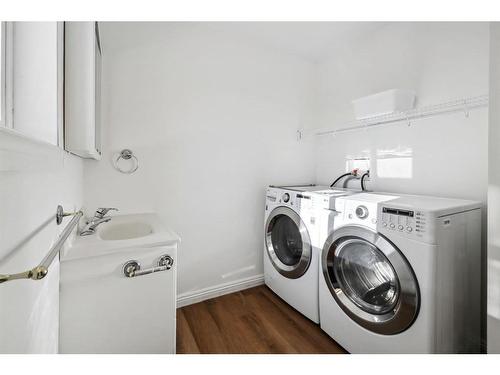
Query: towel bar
(40, 271)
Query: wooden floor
(251, 321)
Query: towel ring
(127, 154)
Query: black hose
(367, 174)
(340, 178)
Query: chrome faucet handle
(102, 211)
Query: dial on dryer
(362, 212)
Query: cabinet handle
(132, 268)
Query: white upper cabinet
(82, 83)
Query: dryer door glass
(366, 276)
(286, 240)
(288, 243)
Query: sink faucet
(99, 218)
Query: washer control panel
(398, 219)
(412, 223)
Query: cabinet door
(82, 89)
(102, 311)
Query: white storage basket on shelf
(384, 103)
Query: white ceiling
(310, 40)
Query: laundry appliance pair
(381, 273)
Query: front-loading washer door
(288, 243)
(370, 279)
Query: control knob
(362, 212)
(286, 197)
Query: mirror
(31, 83)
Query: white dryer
(401, 274)
(291, 243)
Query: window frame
(3, 90)
(6, 86)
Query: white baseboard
(189, 298)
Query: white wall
(34, 179)
(494, 195)
(212, 120)
(441, 61)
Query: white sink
(124, 231)
(120, 233)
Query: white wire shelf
(459, 105)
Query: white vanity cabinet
(104, 312)
(104, 308)
(82, 89)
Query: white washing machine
(291, 243)
(401, 274)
